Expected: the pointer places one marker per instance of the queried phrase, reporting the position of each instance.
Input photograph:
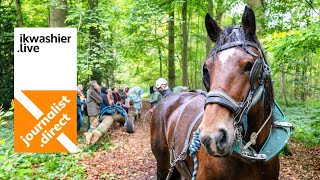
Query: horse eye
(248, 67)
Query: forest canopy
(134, 42)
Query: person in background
(79, 111)
(81, 96)
(122, 94)
(137, 103)
(163, 87)
(104, 96)
(80, 88)
(109, 96)
(127, 99)
(105, 116)
(93, 104)
(116, 96)
(84, 110)
(178, 89)
(155, 98)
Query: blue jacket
(105, 101)
(79, 104)
(137, 102)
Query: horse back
(171, 121)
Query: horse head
(236, 76)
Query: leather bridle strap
(219, 96)
(240, 44)
(241, 109)
(251, 100)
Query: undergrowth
(42, 165)
(306, 121)
(304, 117)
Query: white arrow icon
(37, 113)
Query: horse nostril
(205, 141)
(222, 139)
(223, 136)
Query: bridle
(258, 74)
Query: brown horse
(239, 102)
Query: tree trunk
(160, 60)
(310, 76)
(258, 7)
(108, 72)
(18, 7)
(296, 83)
(191, 84)
(171, 68)
(95, 38)
(304, 80)
(113, 78)
(202, 56)
(255, 4)
(219, 16)
(209, 42)
(185, 44)
(196, 59)
(316, 80)
(283, 81)
(159, 51)
(57, 14)
(220, 11)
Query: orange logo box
(55, 130)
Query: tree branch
(311, 6)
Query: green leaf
(2, 141)
(8, 113)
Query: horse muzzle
(218, 143)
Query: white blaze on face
(226, 54)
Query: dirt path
(304, 163)
(131, 158)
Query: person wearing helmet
(163, 87)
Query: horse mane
(229, 35)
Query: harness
(279, 131)
(277, 139)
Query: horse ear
(212, 27)
(249, 22)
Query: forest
(135, 42)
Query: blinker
(255, 73)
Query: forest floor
(130, 157)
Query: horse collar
(277, 139)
